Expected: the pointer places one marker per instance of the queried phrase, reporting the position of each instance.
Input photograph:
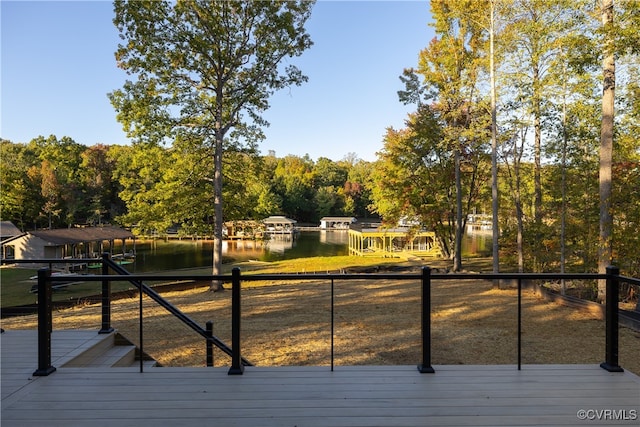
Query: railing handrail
(319, 276)
(47, 260)
(354, 276)
(175, 311)
(427, 275)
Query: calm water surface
(160, 255)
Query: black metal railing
(45, 308)
(150, 292)
(45, 280)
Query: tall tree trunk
(216, 269)
(537, 167)
(563, 215)
(519, 238)
(537, 204)
(218, 221)
(457, 259)
(537, 147)
(494, 146)
(518, 202)
(606, 147)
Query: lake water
(162, 255)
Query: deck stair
(112, 351)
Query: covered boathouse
(392, 242)
(68, 243)
(336, 222)
(278, 224)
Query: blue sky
(57, 67)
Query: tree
(139, 169)
(538, 25)
(452, 65)
(357, 195)
(61, 176)
(51, 192)
(294, 183)
(513, 151)
(413, 178)
(205, 71)
(20, 198)
(495, 204)
(97, 172)
(329, 173)
(606, 148)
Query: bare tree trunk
(518, 203)
(537, 156)
(606, 148)
(537, 147)
(563, 215)
(494, 147)
(216, 269)
(218, 221)
(519, 239)
(457, 259)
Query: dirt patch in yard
(375, 322)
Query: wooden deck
(543, 395)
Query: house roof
(78, 235)
(7, 229)
(338, 218)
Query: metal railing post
(141, 328)
(106, 297)
(425, 367)
(333, 324)
(237, 368)
(611, 322)
(519, 324)
(45, 323)
(209, 343)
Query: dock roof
(78, 235)
(338, 218)
(277, 219)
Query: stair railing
(107, 263)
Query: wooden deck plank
(389, 396)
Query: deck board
(350, 396)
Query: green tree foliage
(203, 74)
(151, 189)
(100, 190)
(140, 170)
(451, 67)
(20, 198)
(413, 178)
(53, 182)
(548, 108)
(293, 182)
(356, 188)
(61, 183)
